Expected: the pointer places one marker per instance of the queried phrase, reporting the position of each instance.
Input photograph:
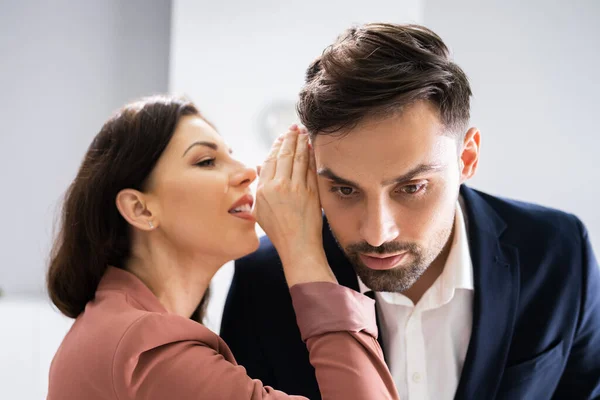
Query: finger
(311, 173)
(285, 158)
(301, 160)
(267, 171)
(258, 168)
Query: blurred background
(65, 66)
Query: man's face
(389, 189)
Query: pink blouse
(126, 345)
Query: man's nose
(378, 225)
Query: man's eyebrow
(420, 169)
(329, 174)
(410, 175)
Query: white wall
(65, 66)
(31, 333)
(232, 58)
(533, 66)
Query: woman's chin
(248, 244)
(255, 243)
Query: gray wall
(65, 66)
(534, 66)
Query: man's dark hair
(377, 69)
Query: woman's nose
(243, 176)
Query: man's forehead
(373, 148)
(415, 123)
(340, 154)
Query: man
(477, 297)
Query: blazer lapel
(496, 282)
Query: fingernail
(294, 127)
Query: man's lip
(245, 199)
(382, 262)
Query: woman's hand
(288, 208)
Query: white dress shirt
(426, 344)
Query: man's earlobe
(469, 158)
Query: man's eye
(412, 189)
(343, 191)
(346, 191)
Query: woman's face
(200, 195)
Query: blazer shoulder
(533, 222)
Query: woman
(158, 205)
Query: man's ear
(133, 207)
(469, 156)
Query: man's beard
(402, 277)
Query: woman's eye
(206, 163)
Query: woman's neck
(177, 281)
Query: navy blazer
(536, 308)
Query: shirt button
(416, 377)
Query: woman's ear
(133, 207)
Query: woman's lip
(247, 215)
(245, 199)
(382, 263)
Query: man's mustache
(385, 248)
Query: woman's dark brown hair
(375, 70)
(93, 234)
